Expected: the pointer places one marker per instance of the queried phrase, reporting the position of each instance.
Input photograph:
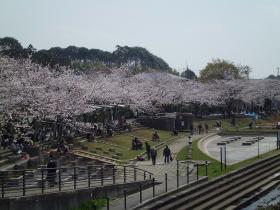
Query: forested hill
(82, 58)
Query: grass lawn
(214, 168)
(241, 125)
(119, 146)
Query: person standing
(191, 129)
(199, 128)
(166, 154)
(153, 156)
(51, 172)
(206, 127)
(148, 150)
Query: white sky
(179, 31)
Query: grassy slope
(122, 143)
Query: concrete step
(201, 190)
(240, 204)
(232, 195)
(3, 161)
(211, 192)
(5, 153)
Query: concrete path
(235, 150)
(159, 171)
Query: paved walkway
(159, 171)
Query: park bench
(221, 143)
(246, 143)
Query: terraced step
(206, 194)
(234, 197)
(96, 157)
(187, 199)
(223, 197)
(3, 161)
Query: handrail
(17, 183)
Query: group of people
(12, 140)
(152, 153)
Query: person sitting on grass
(136, 144)
(155, 136)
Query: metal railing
(17, 183)
(184, 175)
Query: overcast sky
(180, 31)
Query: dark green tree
(12, 48)
(189, 74)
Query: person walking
(166, 154)
(148, 150)
(153, 156)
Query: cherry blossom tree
(45, 92)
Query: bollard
(188, 174)
(140, 190)
(197, 167)
(165, 182)
(221, 157)
(23, 183)
(135, 178)
(114, 175)
(89, 174)
(206, 168)
(124, 193)
(144, 175)
(154, 194)
(102, 176)
(3, 185)
(42, 181)
(59, 179)
(124, 174)
(225, 158)
(258, 148)
(75, 177)
(177, 175)
(108, 202)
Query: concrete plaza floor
(235, 151)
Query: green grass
(241, 125)
(89, 205)
(214, 168)
(182, 155)
(121, 144)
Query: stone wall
(167, 121)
